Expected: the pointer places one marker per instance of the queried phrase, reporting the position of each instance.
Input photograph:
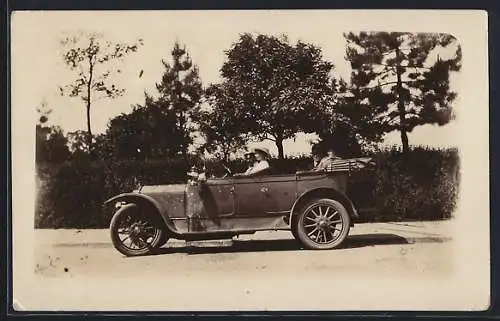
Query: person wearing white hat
(250, 159)
(261, 164)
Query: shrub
(420, 185)
(72, 194)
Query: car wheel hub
(135, 229)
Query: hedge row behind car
(420, 185)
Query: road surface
(379, 249)
(391, 266)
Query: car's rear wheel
(135, 231)
(322, 224)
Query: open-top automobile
(313, 205)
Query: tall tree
(89, 55)
(180, 92)
(220, 125)
(275, 87)
(345, 123)
(150, 128)
(405, 77)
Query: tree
(180, 93)
(89, 55)
(219, 125)
(400, 77)
(51, 144)
(344, 123)
(275, 87)
(44, 111)
(149, 131)
(79, 144)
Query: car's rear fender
(143, 200)
(323, 193)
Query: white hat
(262, 151)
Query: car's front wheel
(322, 224)
(134, 231)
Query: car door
(217, 198)
(247, 197)
(207, 203)
(277, 193)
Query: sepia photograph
(278, 160)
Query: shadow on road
(355, 241)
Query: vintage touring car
(314, 206)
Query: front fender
(138, 198)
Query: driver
(260, 164)
(251, 160)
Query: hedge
(419, 185)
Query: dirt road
(268, 270)
(387, 249)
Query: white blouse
(257, 167)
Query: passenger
(329, 161)
(317, 155)
(316, 159)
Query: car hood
(171, 188)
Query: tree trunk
(404, 140)
(401, 104)
(89, 103)
(89, 129)
(279, 144)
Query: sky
(38, 69)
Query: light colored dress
(257, 167)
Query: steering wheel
(228, 171)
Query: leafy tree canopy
(220, 125)
(275, 87)
(149, 131)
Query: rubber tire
(293, 227)
(302, 235)
(155, 244)
(294, 231)
(164, 239)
